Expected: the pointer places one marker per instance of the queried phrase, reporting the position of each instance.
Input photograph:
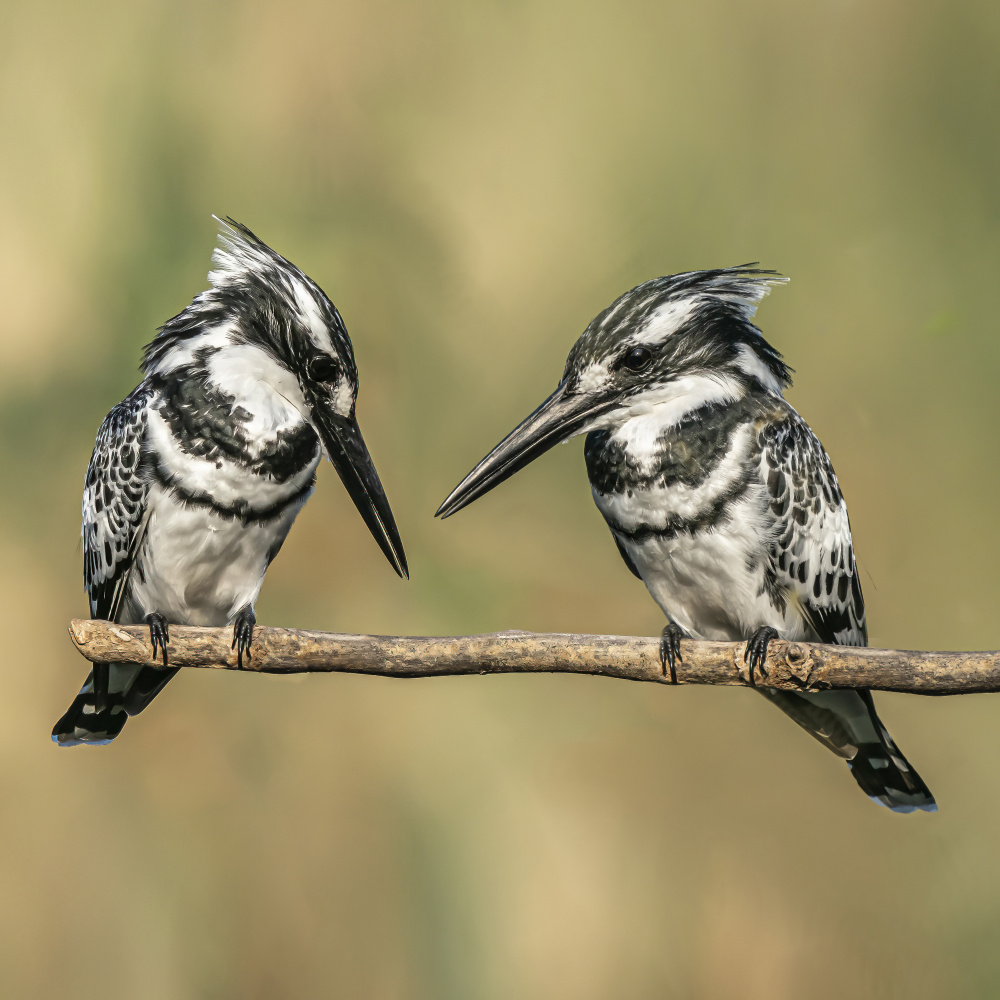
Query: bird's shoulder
(114, 500)
(118, 448)
(811, 554)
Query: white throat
(260, 386)
(637, 427)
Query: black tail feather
(845, 722)
(885, 774)
(888, 779)
(88, 721)
(112, 693)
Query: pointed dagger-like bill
(346, 449)
(562, 415)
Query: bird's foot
(755, 655)
(158, 634)
(670, 649)
(243, 625)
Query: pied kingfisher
(719, 496)
(198, 474)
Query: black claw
(755, 655)
(670, 649)
(159, 634)
(243, 625)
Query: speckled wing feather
(812, 563)
(114, 504)
(811, 557)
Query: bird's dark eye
(322, 368)
(638, 359)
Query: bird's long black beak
(346, 449)
(561, 416)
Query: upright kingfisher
(198, 474)
(718, 495)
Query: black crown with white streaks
(258, 297)
(698, 322)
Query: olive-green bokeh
(471, 183)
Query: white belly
(712, 582)
(196, 567)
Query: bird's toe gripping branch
(670, 649)
(755, 655)
(159, 634)
(243, 625)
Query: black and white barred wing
(114, 504)
(811, 556)
(812, 563)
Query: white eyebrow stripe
(750, 364)
(310, 312)
(665, 321)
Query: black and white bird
(719, 496)
(198, 474)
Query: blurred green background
(471, 183)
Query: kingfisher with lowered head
(198, 474)
(719, 496)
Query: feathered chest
(264, 437)
(733, 518)
(677, 478)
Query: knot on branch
(788, 665)
(798, 662)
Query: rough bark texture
(797, 666)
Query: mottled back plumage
(114, 503)
(813, 555)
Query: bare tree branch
(796, 666)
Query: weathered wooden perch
(797, 666)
